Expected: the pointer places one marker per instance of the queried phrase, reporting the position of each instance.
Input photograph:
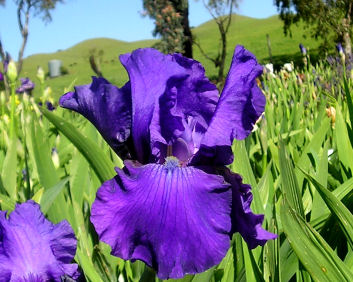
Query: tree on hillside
(330, 20)
(172, 24)
(221, 11)
(26, 9)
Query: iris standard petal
(149, 71)
(184, 109)
(240, 105)
(244, 221)
(177, 220)
(169, 127)
(33, 247)
(108, 108)
(197, 96)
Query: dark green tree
(330, 20)
(26, 9)
(171, 24)
(221, 11)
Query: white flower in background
(268, 69)
(289, 67)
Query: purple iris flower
(302, 49)
(27, 85)
(34, 249)
(175, 205)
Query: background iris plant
(34, 249)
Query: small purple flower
(1, 76)
(49, 105)
(175, 205)
(339, 48)
(34, 249)
(26, 85)
(302, 49)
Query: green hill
(247, 31)
(251, 33)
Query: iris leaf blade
(102, 165)
(312, 250)
(345, 150)
(6, 203)
(338, 209)
(38, 146)
(290, 187)
(9, 170)
(50, 195)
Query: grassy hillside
(244, 30)
(251, 33)
(75, 60)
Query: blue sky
(77, 20)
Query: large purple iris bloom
(34, 249)
(174, 205)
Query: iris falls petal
(175, 219)
(34, 249)
(107, 107)
(244, 221)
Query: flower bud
(2, 98)
(47, 94)
(12, 72)
(25, 99)
(340, 51)
(55, 158)
(6, 119)
(40, 74)
(302, 49)
(331, 113)
(57, 141)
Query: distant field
(244, 30)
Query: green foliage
(41, 7)
(327, 19)
(221, 12)
(171, 24)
